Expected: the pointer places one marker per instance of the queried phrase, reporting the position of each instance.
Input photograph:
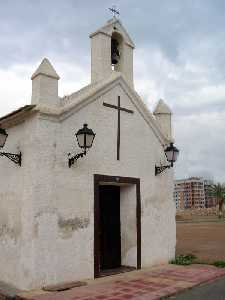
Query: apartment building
(210, 201)
(190, 193)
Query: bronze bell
(115, 54)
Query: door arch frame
(118, 180)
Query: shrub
(219, 264)
(183, 260)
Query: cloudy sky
(179, 57)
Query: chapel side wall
(15, 206)
(64, 204)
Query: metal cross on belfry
(119, 109)
(115, 11)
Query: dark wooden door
(110, 238)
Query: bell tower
(111, 51)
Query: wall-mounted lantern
(85, 138)
(171, 154)
(16, 158)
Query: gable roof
(18, 114)
(115, 25)
(74, 102)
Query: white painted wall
(55, 203)
(100, 57)
(65, 252)
(128, 222)
(126, 63)
(45, 90)
(164, 122)
(16, 201)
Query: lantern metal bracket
(160, 169)
(16, 158)
(72, 160)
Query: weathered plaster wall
(100, 57)
(16, 192)
(127, 63)
(47, 221)
(164, 122)
(128, 219)
(45, 90)
(64, 198)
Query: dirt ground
(206, 240)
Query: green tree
(218, 191)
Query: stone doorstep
(63, 286)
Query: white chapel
(87, 179)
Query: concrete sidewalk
(146, 284)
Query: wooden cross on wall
(119, 109)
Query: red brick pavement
(148, 284)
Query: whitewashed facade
(47, 209)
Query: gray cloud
(31, 28)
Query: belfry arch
(111, 50)
(116, 51)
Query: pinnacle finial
(45, 68)
(162, 108)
